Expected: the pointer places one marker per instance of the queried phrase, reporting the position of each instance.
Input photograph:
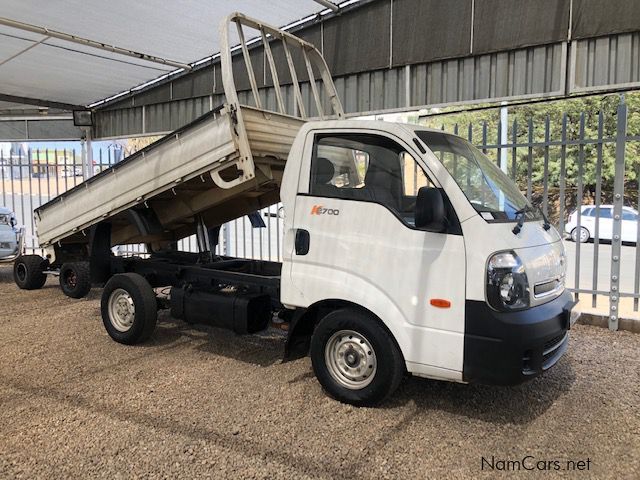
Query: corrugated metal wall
(528, 72)
(399, 54)
(41, 129)
(611, 60)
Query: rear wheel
(355, 358)
(28, 272)
(129, 308)
(75, 279)
(582, 236)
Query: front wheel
(582, 237)
(355, 359)
(129, 308)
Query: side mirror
(430, 211)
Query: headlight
(507, 284)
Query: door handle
(302, 242)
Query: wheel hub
(121, 310)
(21, 272)
(71, 279)
(350, 359)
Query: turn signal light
(440, 303)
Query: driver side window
(413, 176)
(367, 168)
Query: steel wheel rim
(584, 235)
(21, 272)
(71, 279)
(121, 310)
(350, 359)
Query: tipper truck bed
(405, 250)
(156, 194)
(225, 164)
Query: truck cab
(417, 232)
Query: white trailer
(405, 251)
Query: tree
(483, 124)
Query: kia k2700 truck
(405, 249)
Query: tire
(28, 272)
(584, 235)
(355, 358)
(75, 279)
(129, 308)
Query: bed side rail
(269, 36)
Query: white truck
(405, 249)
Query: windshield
(491, 192)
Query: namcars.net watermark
(533, 464)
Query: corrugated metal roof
(59, 71)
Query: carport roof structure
(74, 53)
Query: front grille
(543, 357)
(554, 341)
(546, 288)
(551, 347)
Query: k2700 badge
(320, 210)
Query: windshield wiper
(520, 217)
(520, 214)
(546, 225)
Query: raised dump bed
(225, 164)
(157, 193)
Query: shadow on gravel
(264, 349)
(520, 404)
(6, 273)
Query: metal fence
(560, 161)
(30, 178)
(560, 167)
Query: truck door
(356, 240)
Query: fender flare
(304, 321)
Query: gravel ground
(203, 403)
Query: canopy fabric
(54, 70)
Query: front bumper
(510, 348)
(11, 246)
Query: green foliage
(588, 110)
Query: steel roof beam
(328, 4)
(39, 102)
(90, 43)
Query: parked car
(605, 228)
(70, 171)
(9, 240)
